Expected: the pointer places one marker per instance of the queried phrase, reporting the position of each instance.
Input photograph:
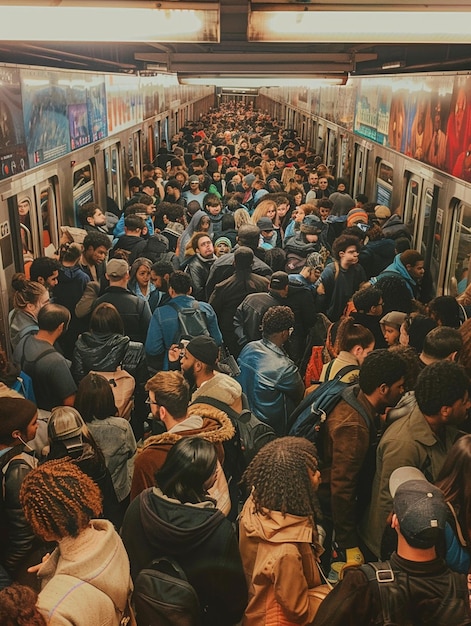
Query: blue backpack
(308, 419)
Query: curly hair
(276, 319)
(440, 384)
(59, 500)
(412, 363)
(18, 607)
(280, 480)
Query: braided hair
(279, 477)
(59, 500)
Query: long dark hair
(453, 480)
(189, 464)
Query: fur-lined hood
(217, 427)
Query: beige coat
(280, 566)
(86, 580)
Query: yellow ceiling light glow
(110, 22)
(361, 26)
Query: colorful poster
(124, 106)
(13, 154)
(45, 114)
(366, 111)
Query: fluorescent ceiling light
(136, 22)
(393, 65)
(318, 26)
(259, 81)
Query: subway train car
(405, 142)
(67, 138)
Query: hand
(34, 569)
(174, 353)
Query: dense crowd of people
(158, 366)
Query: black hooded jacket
(201, 540)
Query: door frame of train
(361, 152)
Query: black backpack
(192, 322)
(164, 597)
(253, 434)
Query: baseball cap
(117, 268)
(265, 223)
(420, 507)
(393, 318)
(311, 225)
(279, 280)
(65, 424)
(194, 179)
(204, 349)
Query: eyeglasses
(149, 401)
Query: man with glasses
(169, 395)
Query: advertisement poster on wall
(13, 154)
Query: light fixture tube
(318, 26)
(141, 23)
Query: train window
(384, 183)
(26, 215)
(361, 163)
(460, 248)
(137, 150)
(320, 143)
(332, 152)
(84, 185)
(47, 201)
(411, 205)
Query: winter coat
(376, 256)
(15, 465)
(202, 541)
(280, 566)
(86, 580)
(394, 228)
(104, 353)
(271, 382)
(217, 428)
(407, 441)
(397, 268)
(348, 464)
(134, 311)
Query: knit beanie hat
(204, 349)
(355, 216)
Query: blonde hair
(261, 210)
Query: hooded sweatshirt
(86, 581)
(200, 539)
(280, 566)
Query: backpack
(122, 385)
(191, 322)
(397, 592)
(253, 434)
(164, 597)
(294, 263)
(308, 419)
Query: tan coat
(280, 566)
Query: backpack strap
(217, 404)
(36, 361)
(382, 575)
(346, 369)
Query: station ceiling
(234, 55)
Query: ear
(394, 522)
(16, 434)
